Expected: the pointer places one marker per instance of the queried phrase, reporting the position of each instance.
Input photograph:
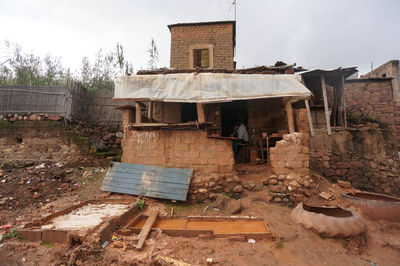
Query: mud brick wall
(367, 158)
(301, 123)
(290, 155)
(374, 98)
(211, 159)
(220, 36)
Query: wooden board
(148, 180)
(146, 229)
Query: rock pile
(30, 117)
(290, 188)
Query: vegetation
(153, 55)
(20, 68)
(357, 116)
(11, 235)
(140, 203)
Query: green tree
(153, 55)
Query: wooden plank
(327, 118)
(200, 113)
(310, 123)
(138, 113)
(150, 111)
(146, 229)
(290, 118)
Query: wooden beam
(200, 113)
(150, 112)
(146, 229)
(138, 113)
(327, 118)
(310, 124)
(290, 118)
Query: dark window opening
(230, 113)
(19, 140)
(201, 58)
(188, 112)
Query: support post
(127, 117)
(138, 113)
(150, 111)
(290, 118)
(327, 118)
(200, 113)
(310, 124)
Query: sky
(310, 33)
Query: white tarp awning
(208, 87)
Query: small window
(201, 58)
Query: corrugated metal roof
(347, 71)
(148, 180)
(208, 87)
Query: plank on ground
(146, 229)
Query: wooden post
(138, 113)
(290, 119)
(344, 105)
(310, 124)
(327, 118)
(150, 111)
(200, 113)
(127, 117)
(146, 229)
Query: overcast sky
(311, 33)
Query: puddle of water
(86, 217)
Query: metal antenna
(234, 4)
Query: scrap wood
(326, 195)
(146, 229)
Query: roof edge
(202, 23)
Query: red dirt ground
(379, 245)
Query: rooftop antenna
(234, 4)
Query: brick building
(204, 44)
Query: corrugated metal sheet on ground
(148, 180)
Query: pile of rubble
(290, 188)
(30, 117)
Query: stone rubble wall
(290, 155)
(374, 98)
(367, 158)
(43, 137)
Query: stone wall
(290, 155)
(26, 141)
(219, 35)
(211, 159)
(367, 158)
(373, 98)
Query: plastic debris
(7, 226)
(116, 238)
(209, 260)
(252, 241)
(104, 244)
(40, 166)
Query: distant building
(203, 44)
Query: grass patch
(140, 203)
(46, 244)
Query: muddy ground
(63, 186)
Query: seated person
(239, 131)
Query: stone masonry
(365, 157)
(290, 155)
(220, 35)
(374, 98)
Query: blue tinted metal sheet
(148, 180)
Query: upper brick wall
(219, 35)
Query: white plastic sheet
(208, 87)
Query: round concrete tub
(375, 206)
